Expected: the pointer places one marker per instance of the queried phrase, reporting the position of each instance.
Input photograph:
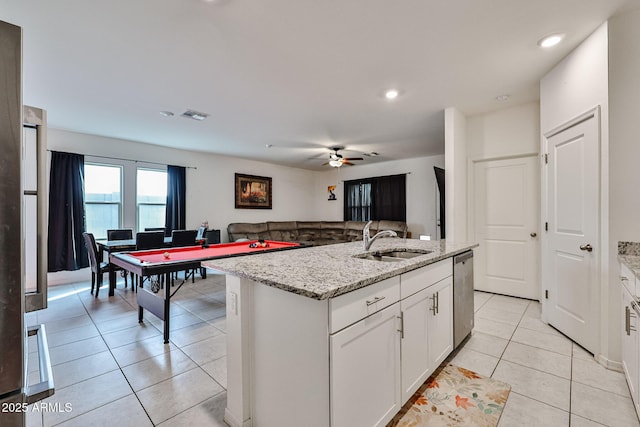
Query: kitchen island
(335, 335)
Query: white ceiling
(301, 75)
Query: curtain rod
(127, 160)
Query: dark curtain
(376, 198)
(389, 199)
(176, 199)
(66, 213)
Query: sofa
(311, 232)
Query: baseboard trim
(230, 419)
(609, 364)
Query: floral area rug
(454, 396)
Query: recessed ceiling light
(550, 40)
(268, 145)
(166, 113)
(391, 94)
(502, 98)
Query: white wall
(455, 149)
(421, 190)
(210, 187)
(576, 85)
(624, 148)
(508, 132)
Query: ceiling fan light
(335, 163)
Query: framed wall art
(253, 192)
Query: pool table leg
(112, 280)
(167, 305)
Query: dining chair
(212, 237)
(150, 240)
(98, 267)
(122, 234)
(154, 229)
(181, 238)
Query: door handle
(534, 234)
(586, 247)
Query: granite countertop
(323, 272)
(629, 255)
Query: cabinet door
(440, 328)
(365, 371)
(630, 345)
(416, 366)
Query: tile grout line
(509, 341)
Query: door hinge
(546, 226)
(546, 158)
(546, 294)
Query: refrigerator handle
(45, 387)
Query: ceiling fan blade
(353, 158)
(325, 164)
(348, 163)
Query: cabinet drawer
(353, 306)
(417, 280)
(628, 279)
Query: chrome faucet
(368, 241)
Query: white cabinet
(365, 371)
(441, 323)
(427, 333)
(416, 311)
(630, 344)
(385, 341)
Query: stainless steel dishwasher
(462, 296)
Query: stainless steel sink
(393, 255)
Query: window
(358, 201)
(378, 198)
(151, 198)
(103, 198)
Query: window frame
(120, 204)
(154, 169)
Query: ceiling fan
(336, 160)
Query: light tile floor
(554, 382)
(115, 372)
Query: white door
(571, 245)
(506, 204)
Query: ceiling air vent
(195, 115)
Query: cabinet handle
(433, 304)
(438, 302)
(624, 279)
(401, 330)
(627, 320)
(374, 300)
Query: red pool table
(169, 260)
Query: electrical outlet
(232, 302)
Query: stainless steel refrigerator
(23, 215)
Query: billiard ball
(166, 255)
